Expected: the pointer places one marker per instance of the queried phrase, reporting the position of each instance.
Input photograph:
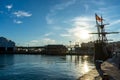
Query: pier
(30, 49)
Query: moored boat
(102, 51)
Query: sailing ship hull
(101, 52)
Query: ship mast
(101, 30)
(101, 49)
(98, 28)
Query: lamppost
(70, 46)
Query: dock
(110, 68)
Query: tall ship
(102, 51)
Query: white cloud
(48, 41)
(100, 2)
(22, 14)
(62, 5)
(9, 6)
(115, 22)
(41, 42)
(56, 8)
(65, 35)
(48, 34)
(49, 20)
(34, 41)
(17, 21)
(113, 26)
(81, 26)
(57, 28)
(83, 22)
(86, 6)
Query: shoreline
(52, 54)
(110, 69)
(91, 75)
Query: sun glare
(84, 34)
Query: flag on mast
(98, 18)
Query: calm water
(41, 67)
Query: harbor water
(44, 67)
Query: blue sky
(42, 22)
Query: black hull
(101, 52)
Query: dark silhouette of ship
(102, 51)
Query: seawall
(111, 69)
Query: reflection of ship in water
(102, 51)
(6, 60)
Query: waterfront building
(115, 46)
(88, 45)
(87, 48)
(6, 45)
(77, 48)
(55, 49)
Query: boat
(102, 51)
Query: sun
(84, 34)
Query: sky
(42, 22)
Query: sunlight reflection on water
(86, 67)
(41, 67)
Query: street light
(70, 47)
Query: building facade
(55, 49)
(6, 45)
